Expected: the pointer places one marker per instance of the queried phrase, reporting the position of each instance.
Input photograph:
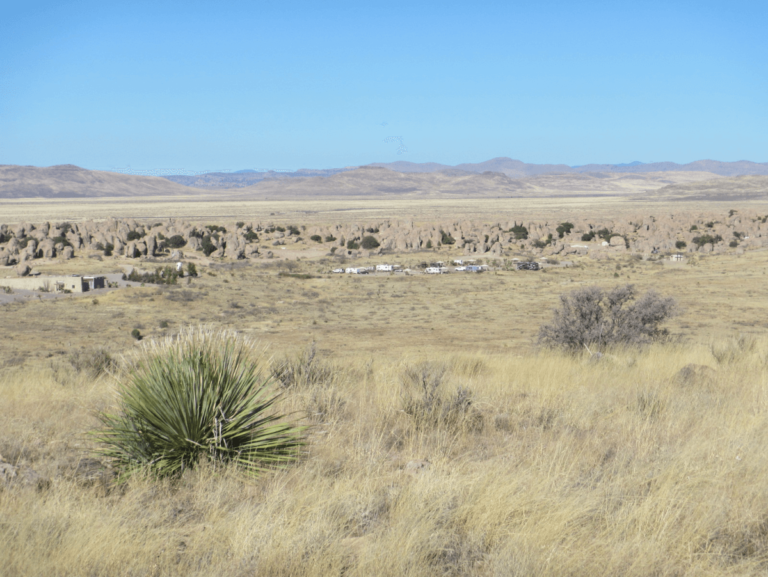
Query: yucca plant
(200, 395)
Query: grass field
(559, 466)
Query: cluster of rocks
(643, 233)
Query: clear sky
(280, 84)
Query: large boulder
(67, 253)
(47, 248)
(23, 269)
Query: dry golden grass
(572, 468)
(562, 467)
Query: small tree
(370, 242)
(593, 317)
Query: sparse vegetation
(594, 318)
(201, 396)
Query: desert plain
(641, 461)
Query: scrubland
(556, 465)
(529, 462)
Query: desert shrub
(369, 242)
(593, 317)
(587, 237)
(215, 228)
(135, 235)
(693, 227)
(199, 396)
(564, 228)
(176, 241)
(304, 370)
(136, 334)
(164, 324)
(538, 243)
(733, 243)
(95, 363)
(251, 236)
(191, 269)
(733, 349)
(239, 224)
(168, 275)
(429, 244)
(706, 239)
(425, 400)
(108, 249)
(316, 238)
(207, 246)
(520, 232)
(293, 230)
(446, 238)
(62, 240)
(330, 238)
(352, 245)
(680, 245)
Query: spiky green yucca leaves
(199, 396)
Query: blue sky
(285, 85)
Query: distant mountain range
(507, 166)
(498, 177)
(519, 169)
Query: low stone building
(74, 284)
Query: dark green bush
(316, 238)
(587, 237)
(108, 249)
(62, 240)
(191, 269)
(136, 334)
(251, 236)
(564, 228)
(733, 243)
(330, 238)
(706, 239)
(520, 232)
(446, 238)
(370, 242)
(135, 235)
(215, 228)
(680, 245)
(239, 224)
(176, 241)
(197, 397)
(167, 275)
(207, 246)
(352, 245)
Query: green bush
(191, 269)
(108, 249)
(251, 236)
(135, 235)
(207, 246)
(733, 243)
(330, 238)
(136, 334)
(707, 239)
(587, 237)
(429, 244)
(447, 238)
(680, 245)
(352, 245)
(200, 396)
(316, 238)
(239, 224)
(370, 242)
(564, 228)
(167, 275)
(176, 241)
(520, 232)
